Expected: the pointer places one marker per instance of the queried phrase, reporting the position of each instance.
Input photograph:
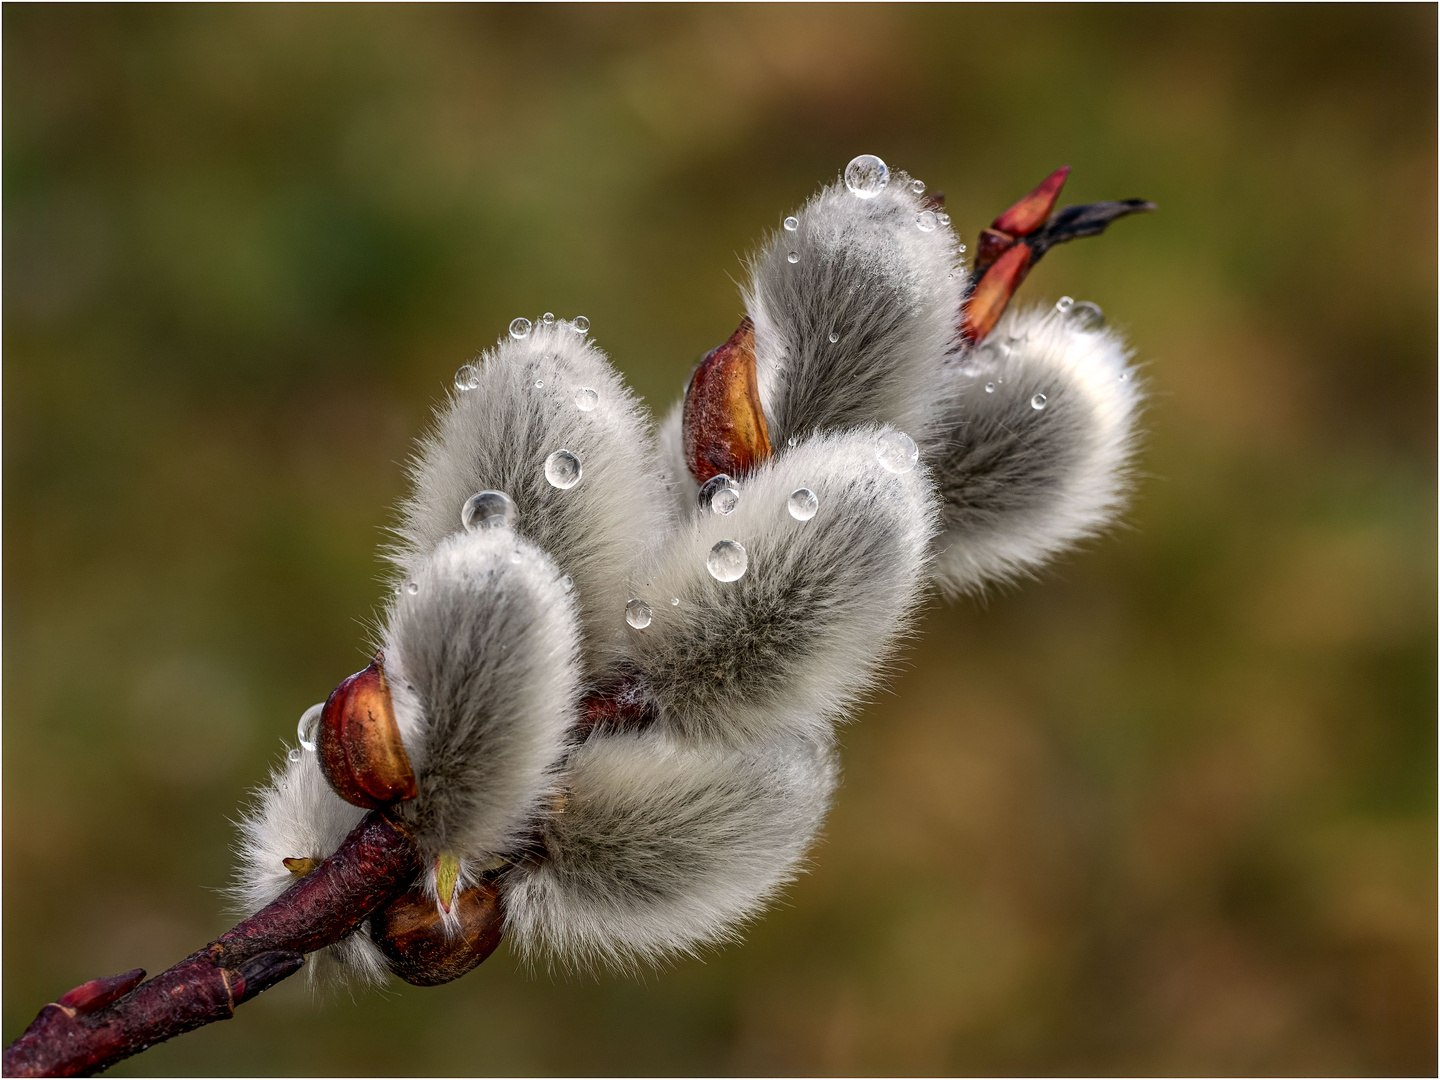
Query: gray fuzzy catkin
(1021, 484)
(664, 846)
(498, 435)
(483, 661)
(803, 634)
(890, 290)
(297, 816)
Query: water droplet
(637, 614)
(581, 324)
(793, 257)
(1087, 316)
(791, 224)
(487, 510)
(944, 219)
(562, 469)
(567, 583)
(792, 441)
(515, 556)
(989, 388)
(802, 504)
(412, 587)
(866, 176)
(519, 327)
(309, 726)
(897, 451)
(1064, 304)
(1037, 402)
(719, 495)
(962, 246)
(917, 186)
(586, 399)
(834, 336)
(926, 221)
(548, 318)
(727, 561)
(294, 755)
(674, 601)
(467, 378)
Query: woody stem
(107, 1020)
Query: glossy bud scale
(359, 743)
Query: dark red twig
(107, 1020)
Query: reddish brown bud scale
(987, 303)
(413, 937)
(993, 243)
(1033, 210)
(723, 425)
(97, 993)
(359, 743)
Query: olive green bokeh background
(1169, 809)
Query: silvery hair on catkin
(620, 705)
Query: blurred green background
(1169, 810)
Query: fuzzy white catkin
(665, 846)
(797, 640)
(498, 435)
(1021, 484)
(483, 660)
(888, 290)
(297, 816)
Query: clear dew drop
(989, 388)
(866, 176)
(1037, 402)
(581, 324)
(1064, 304)
(308, 727)
(294, 755)
(1087, 316)
(792, 441)
(515, 556)
(539, 384)
(412, 587)
(834, 336)
(897, 451)
(962, 246)
(519, 327)
(944, 219)
(586, 399)
(487, 510)
(467, 378)
(674, 601)
(802, 504)
(791, 224)
(793, 257)
(562, 469)
(567, 583)
(719, 495)
(727, 561)
(638, 614)
(548, 318)
(926, 221)
(917, 186)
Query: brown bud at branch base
(413, 937)
(723, 425)
(359, 742)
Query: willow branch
(108, 1019)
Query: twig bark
(107, 1020)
